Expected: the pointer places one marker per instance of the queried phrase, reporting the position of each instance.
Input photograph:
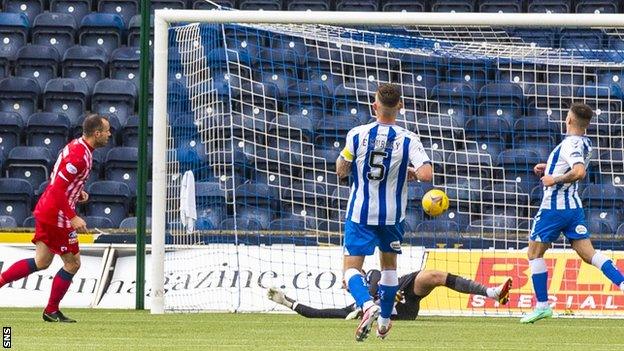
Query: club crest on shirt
(73, 237)
(71, 168)
(395, 245)
(580, 229)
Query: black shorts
(407, 309)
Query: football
(435, 202)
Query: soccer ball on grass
(435, 202)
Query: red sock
(18, 270)
(60, 284)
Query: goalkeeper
(413, 287)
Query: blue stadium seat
(501, 6)
(537, 134)
(38, 62)
(101, 30)
(30, 8)
(134, 31)
(99, 159)
(114, 96)
(29, 222)
(40, 190)
(597, 6)
(19, 95)
(468, 164)
(311, 94)
(612, 166)
(338, 202)
(14, 33)
(603, 196)
(331, 132)
(167, 4)
(98, 222)
(86, 63)
(542, 37)
(210, 201)
(491, 133)
(305, 5)
(11, 124)
(76, 8)
(49, 130)
(290, 224)
(452, 6)
(248, 42)
(124, 64)
(439, 229)
(121, 166)
(420, 69)
(525, 74)
(553, 97)
(464, 195)
(7, 222)
(402, 6)
(439, 132)
(130, 132)
(109, 199)
(604, 221)
(241, 223)
(305, 199)
(131, 223)
(454, 99)
(5, 67)
(67, 96)
(205, 5)
(473, 73)
(611, 78)
(257, 201)
(266, 5)
(581, 39)
(15, 198)
(518, 165)
(124, 8)
(549, 6)
(54, 29)
(501, 99)
(297, 128)
(31, 163)
(357, 5)
(505, 199)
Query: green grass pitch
(138, 330)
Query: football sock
(465, 286)
(357, 287)
(60, 284)
(290, 303)
(539, 275)
(608, 268)
(388, 287)
(18, 270)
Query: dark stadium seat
(205, 5)
(305, 199)
(453, 99)
(15, 198)
(48, 129)
(266, 5)
(19, 95)
(469, 164)
(423, 70)
(305, 5)
(86, 63)
(295, 128)
(357, 5)
(439, 132)
(167, 4)
(491, 133)
(581, 39)
(331, 132)
(109, 199)
(258, 201)
(463, 193)
(67, 96)
(603, 196)
(473, 73)
(40, 190)
(131, 223)
(11, 124)
(613, 79)
(99, 159)
(537, 134)
(241, 223)
(98, 222)
(552, 96)
(312, 94)
(606, 220)
(525, 74)
(76, 8)
(502, 100)
(7, 222)
(439, 229)
(291, 224)
(57, 30)
(597, 6)
(130, 132)
(612, 166)
(14, 33)
(30, 8)
(549, 6)
(114, 96)
(124, 64)
(101, 30)
(518, 167)
(134, 31)
(124, 8)
(402, 5)
(501, 6)
(29, 222)
(210, 201)
(452, 6)
(31, 163)
(121, 166)
(38, 62)
(543, 37)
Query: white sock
(542, 304)
(367, 305)
(492, 293)
(383, 322)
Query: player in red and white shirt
(56, 221)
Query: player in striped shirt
(378, 157)
(56, 221)
(562, 211)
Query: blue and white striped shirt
(380, 155)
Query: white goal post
(164, 18)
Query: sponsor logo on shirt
(580, 229)
(71, 168)
(73, 238)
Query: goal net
(258, 114)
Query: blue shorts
(549, 224)
(361, 239)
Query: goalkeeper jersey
(380, 155)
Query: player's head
(96, 130)
(579, 116)
(387, 101)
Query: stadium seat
(295, 224)
(464, 195)
(134, 31)
(67, 96)
(331, 132)
(241, 223)
(542, 37)
(248, 42)
(30, 8)
(307, 5)
(504, 198)
(99, 159)
(452, 6)
(49, 130)
(7, 222)
(525, 74)
(210, 201)
(469, 164)
(500, 6)
(501, 99)
(490, 133)
(537, 134)
(257, 201)
(473, 73)
(612, 165)
(29, 222)
(205, 5)
(15, 198)
(124, 8)
(439, 132)
(54, 29)
(98, 222)
(603, 196)
(19, 95)
(549, 6)
(124, 64)
(11, 124)
(76, 8)
(31, 163)
(453, 99)
(518, 166)
(296, 128)
(553, 97)
(40, 190)
(611, 78)
(101, 30)
(581, 39)
(266, 5)
(130, 132)
(421, 70)
(402, 6)
(5, 67)
(121, 166)
(305, 199)
(108, 199)
(167, 4)
(131, 223)
(14, 33)
(38, 62)
(605, 221)
(114, 96)
(597, 6)
(443, 231)
(85, 63)
(357, 5)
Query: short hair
(582, 113)
(388, 94)
(92, 124)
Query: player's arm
(421, 169)
(347, 156)
(576, 173)
(64, 177)
(343, 167)
(573, 154)
(424, 173)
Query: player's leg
(390, 237)
(426, 281)
(60, 285)
(539, 276)
(20, 269)
(276, 295)
(586, 251)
